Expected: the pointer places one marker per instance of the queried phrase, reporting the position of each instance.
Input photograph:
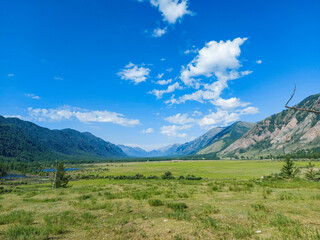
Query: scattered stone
(129, 224)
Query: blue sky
(155, 72)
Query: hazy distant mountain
(286, 132)
(139, 152)
(25, 140)
(133, 151)
(226, 137)
(201, 142)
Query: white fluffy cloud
(158, 32)
(170, 89)
(172, 10)
(134, 73)
(220, 117)
(248, 110)
(215, 58)
(83, 115)
(229, 104)
(148, 130)
(31, 95)
(259, 61)
(164, 82)
(209, 72)
(173, 131)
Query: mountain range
(287, 132)
(139, 152)
(27, 141)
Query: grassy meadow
(231, 201)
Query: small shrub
(85, 197)
(259, 207)
(180, 215)
(88, 217)
(141, 195)
(266, 192)
(155, 202)
(285, 196)
(167, 175)
(209, 222)
(177, 206)
(280, 220)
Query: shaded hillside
(24, 140)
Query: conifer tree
(288, 169)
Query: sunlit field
(231, 201)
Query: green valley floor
(233, 200)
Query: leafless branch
(300, 109)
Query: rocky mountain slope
(286, 132)
(226, 137)
(201, 142)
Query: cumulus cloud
(170, 89)
(83, 115)
(209, 72)
(215, 58)
(164, 82)
(32, 96)
(158, 32)
(174, 131)
(219, 117)
(229, 104)
(248, 110)
(148, 130)
(172, 10)
(259, 61)
(134, 73)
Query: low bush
(155, 202)
(177, 206)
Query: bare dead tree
(300, 109)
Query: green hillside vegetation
(25, 141)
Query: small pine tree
(62, 179)
(311, 174)
(288, 169)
